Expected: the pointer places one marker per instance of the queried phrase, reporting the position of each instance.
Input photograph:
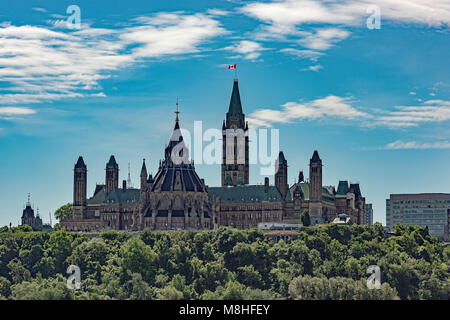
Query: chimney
(124, 185)
(266, 184)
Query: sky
(373, 99)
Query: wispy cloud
(411, 116)
(303, 54)
(10, 111)
(289, 20)
(330, 106)
(40, 64)
(431, 111)
(399, 144)
(250, 50)
(40, 9)
(15, 113)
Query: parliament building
(176, 198)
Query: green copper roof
(98, 198)
(326, 194)
(304, 187)
(235, 108)
(120, 196)
(342, 188)
(247, 193)
(117, 196)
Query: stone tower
(235, 157)
(112, 175)
(315, 185)
(143, 177)
(281, 174)
(80, 183)
(79, 188)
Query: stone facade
(176, 198)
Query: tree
(306, 219)
(64, 212)
(137, 257)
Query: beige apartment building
(424, 209)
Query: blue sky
(375, 103)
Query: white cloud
(303, 54)
(431, 111)
(289, 20)
(399, 144)
(323, 39)
(286, 14)
(315, 68)
(249, 49)
(218, 12)
(11, 111)
(39, 64)
(330, 106)
(40, 9)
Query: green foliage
(320, 288)
(324, 262)
(64, 212)
(306, 219)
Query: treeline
(327, 262)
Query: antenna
(50, 215)
(177, 112)
(129, 177)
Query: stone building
(32, 220)
(177, 198)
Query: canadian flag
(232, 66)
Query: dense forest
(327, 262)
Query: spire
(301, 178)
(281, 157)
(112, 162)
(144, 170)
(177, 112)
(315, 157)
(28, 201)
(80, 163)
(235, 108)
(129, 177)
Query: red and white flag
(232, 66)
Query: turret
(315, 177)
(143, 176)
(301, 178)
(79, 183)
(315, 185)
(281, 174)
(112, 175)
